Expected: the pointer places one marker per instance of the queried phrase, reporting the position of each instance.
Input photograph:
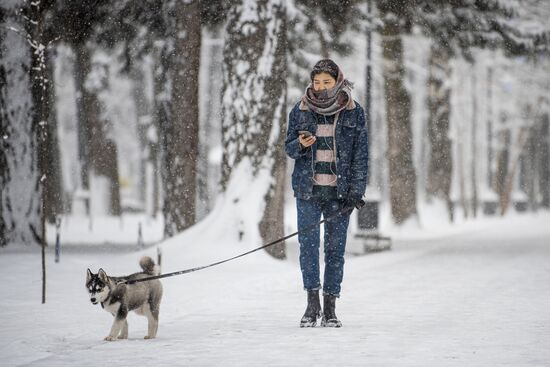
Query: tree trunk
(254, 96)
(41, 85)
(318, 29)
(143, 124)
(85, 113)
(528, 166)
(462, 175)
(272, 223)
(398, 111)
(159, 154)
(105, 163)
(507, 185)
(183, 135)
(473, 162)
(148, 131)
(103, 150)
(502, 159)
(490, 152)
(21, 193)
(210, 135)
(98, 153)
(53, 185)
(368, 93)
(544, 162)
(441, 163)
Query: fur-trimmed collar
(350, 106)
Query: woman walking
(327, 138)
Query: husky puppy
(119, 298)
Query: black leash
(181, 272)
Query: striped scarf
(328, 102)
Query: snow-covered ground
(104, 230)
(475, 297)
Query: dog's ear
(102, 275)
(88, 276)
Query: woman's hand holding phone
(306, 138)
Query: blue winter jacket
(351, 151)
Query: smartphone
(305, 133)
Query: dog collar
(108, 298)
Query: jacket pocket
(347, 121)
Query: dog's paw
(148, 337)
(110, 338)
(123, 337)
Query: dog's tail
(149, 266)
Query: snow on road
(476, 298)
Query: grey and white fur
(118, 298)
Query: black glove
(356, 201)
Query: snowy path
(472, 299)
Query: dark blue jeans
(309, 213)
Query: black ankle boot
(313, 310)
(329, 313)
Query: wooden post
(140, 243)
(159, 257)
(57, 237)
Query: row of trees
(170, 32)
(453, 27)
(265, 42)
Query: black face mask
(321, 95)
(325, 94)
